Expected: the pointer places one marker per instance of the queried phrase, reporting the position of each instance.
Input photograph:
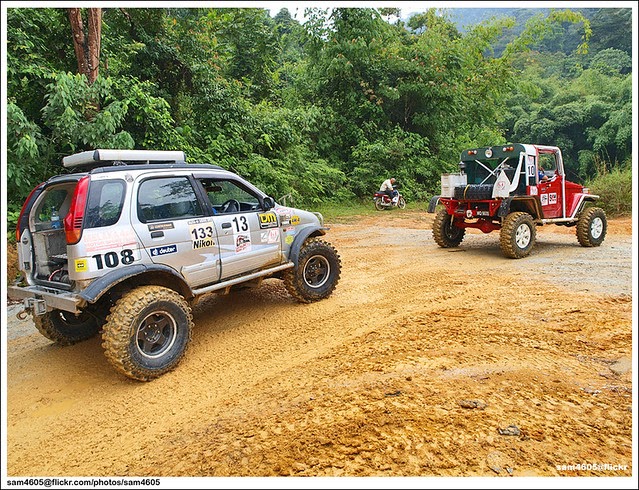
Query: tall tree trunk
(87, 48)
(95, 32)
(87, 45)
(79, 43)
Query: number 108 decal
(112, 259)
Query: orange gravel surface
(424, 362)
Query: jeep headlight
(319, 217)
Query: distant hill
(611, 27)
(464, 17)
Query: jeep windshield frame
(482, 166)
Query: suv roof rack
(119, 157)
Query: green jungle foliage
(614, 188)
(320, 111)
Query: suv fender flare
(504, 207)
(527, 204)
(586, 198)
(100, 286)
(301, 237)
(434, 201)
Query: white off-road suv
(128, 242)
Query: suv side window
(167, 198)
(104, 205)
(227, 196)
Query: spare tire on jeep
(474, 192)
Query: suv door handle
(226, 225)
(157, 234)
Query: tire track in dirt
(365, 383)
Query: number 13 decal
(241, 224)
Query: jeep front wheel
(592, 227)
(65, 328)
(517, 235)
(446, 234)
(316, 273)
(147, 332)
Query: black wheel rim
(156, 334)
(452, 232)
(316, 271)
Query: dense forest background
(321, 110)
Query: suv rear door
(174, 228)
(42, 245)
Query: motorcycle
(382, 201)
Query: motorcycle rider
(388, 189)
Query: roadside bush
(615, 190)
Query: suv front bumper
(39, 300)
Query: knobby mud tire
(319, 262)
(517, 235)
(473, 192)
(592, 227)
(65, 328)
(446, 234)
(140, 319)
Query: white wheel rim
(522, 236)
(596, 228)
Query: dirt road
(424, 362)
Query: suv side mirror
(268, 203)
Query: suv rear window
(104, 205)
(55, 198)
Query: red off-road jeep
(514, 188)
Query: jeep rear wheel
(316, 273)
(517, 235)
(592, 227)
(446, 234)
(65, 328)
(147, 332)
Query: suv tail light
(23, 219)
(74, 218)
